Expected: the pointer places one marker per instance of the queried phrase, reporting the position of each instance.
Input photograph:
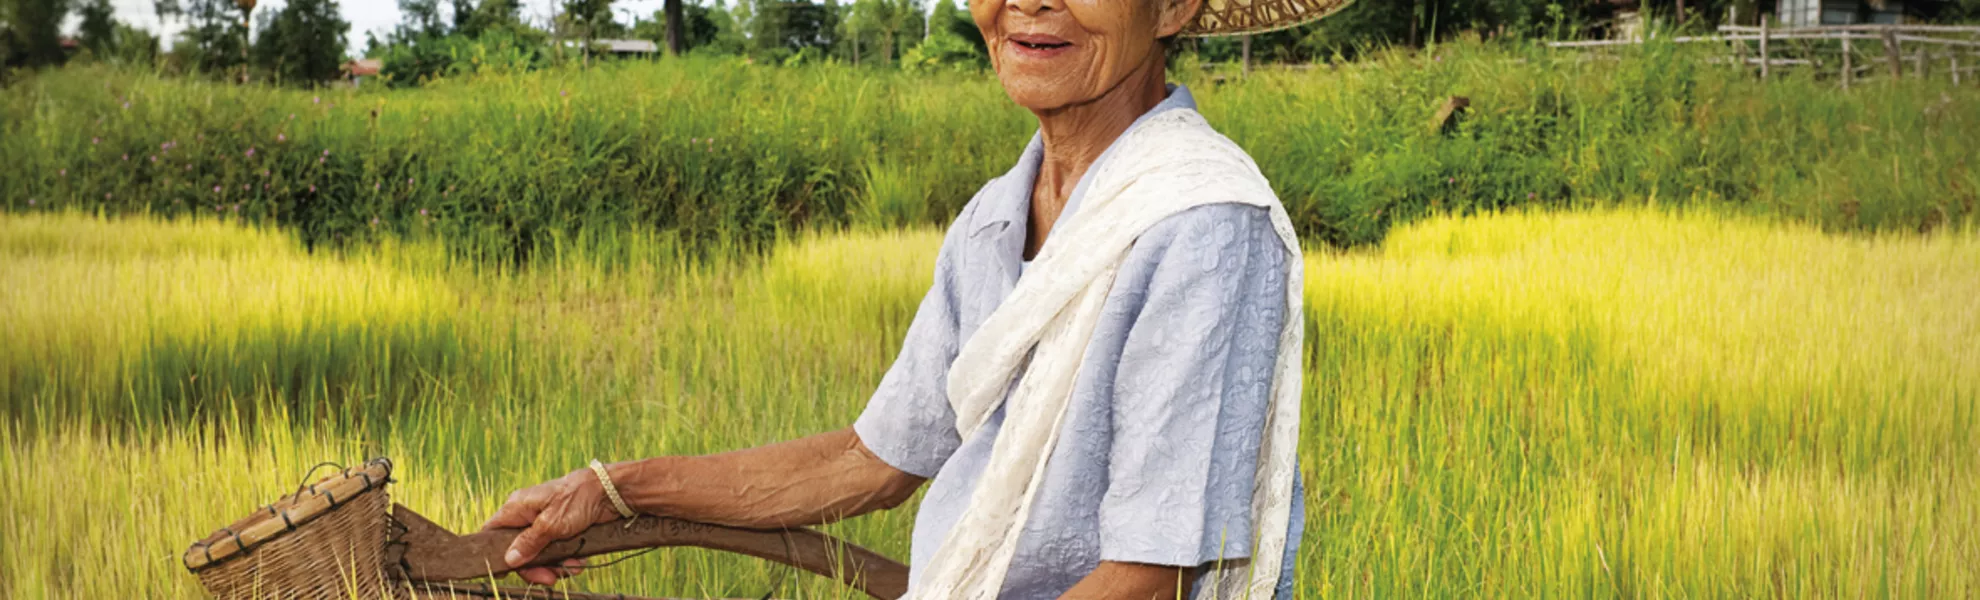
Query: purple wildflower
(127, 157)
(154, 158)
(1450, 180)
(312, 188)
(374, 221)
(250, 153)
(127, 105)
(106, 195)
(93, 140)
(326, 151)
(292, 116)
(163, 146)
(216, 190)
(564, 93)
(1531, 195)
(422, 212)
(188, 166)
(409, 181)
(65, 172)
(319, 160)
(315, 99)
(246, 186)
(281, 137)
(237, 207)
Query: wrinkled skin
(1087, 69)
(1112, 43)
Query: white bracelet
(611, 491)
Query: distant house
(355, 71)
(1625, 19)
(1809, 13)
(626, 47)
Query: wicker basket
(324, 542)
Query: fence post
(1954, 67)
(1764, 62)
(1918, 61)
(1893, 54)
(1849, 64)
(1246, 45)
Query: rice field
(1619, 403)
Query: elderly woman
(1101, 389)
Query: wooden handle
(434, 554)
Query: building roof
(364, 67)
(627, 46)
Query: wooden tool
(337, 539)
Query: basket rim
(288, 513)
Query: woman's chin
(1041, 95)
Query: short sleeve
(908, 423)
(1193, 387)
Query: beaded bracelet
(611, 491)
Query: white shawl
(1168, 163)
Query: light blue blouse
(1160, 446)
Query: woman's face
(1056, 53)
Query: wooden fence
(1897, 50)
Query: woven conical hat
(1233, 17)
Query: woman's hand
(555, 510)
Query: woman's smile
(1039, 45)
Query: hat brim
(1239, 17)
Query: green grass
(717, 152)
(1632, 403)
(145, 322)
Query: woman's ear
(1176, 14)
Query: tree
(676, 27)
(587, 17)
(304, 42)
(698, 27)
(166, 10)
(213, 38)
(98, 30)
(36, 31)
(781, 28)
(892, 24)
(135, 46)
(489, 16)
(419, 18)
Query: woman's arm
(1128, 581)
(807, 481)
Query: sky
(364, 16)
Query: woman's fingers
(519, 511)
(528, 544)
(550, 576)
(538, 575)
(547, 513)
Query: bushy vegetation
(711, 149)
(1605, 404)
